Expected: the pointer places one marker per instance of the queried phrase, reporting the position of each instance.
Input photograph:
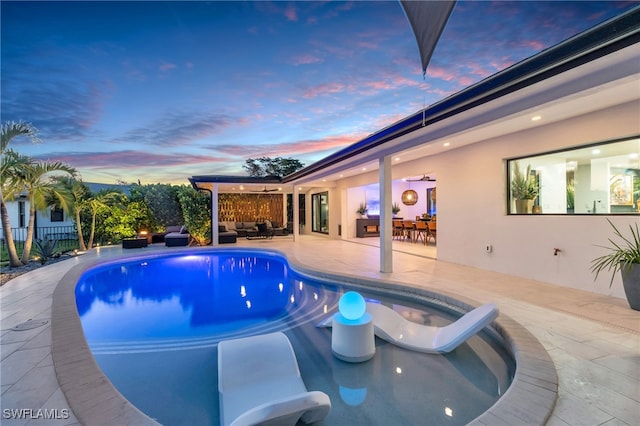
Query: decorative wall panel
(250, 207)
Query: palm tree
(103, 199)
(39, 190)
(10, 163)
(80, 195)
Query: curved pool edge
(530, 398)
(532, 395)
(90, 394)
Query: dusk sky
(161, 91)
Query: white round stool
(353, 340)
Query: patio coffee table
(129, 243)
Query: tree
(79, 195)
(102, 200)
(267, 166)
(9, 164)
(162, 200)
(125, 219)
(196, 210)
(40, 189)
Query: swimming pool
(153, 324)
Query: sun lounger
(389, 325)
(394, 328)
(259, 383)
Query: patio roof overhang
(237, 183)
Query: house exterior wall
(472, 206)
(43, 217)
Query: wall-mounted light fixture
(409, 197)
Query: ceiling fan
(265, 190)
(424, 178)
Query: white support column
(283, 219)
(386, 237)
(296, 214)
(214, 214)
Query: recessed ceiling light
(633, 155)
(241, 187)
(341, 175)
(536, 118)
(364, 168)
(280, 189)
(324, 180)
(595, 152)
(397, 158)
(446, 144)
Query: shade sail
(427, 19)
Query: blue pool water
(153, 325)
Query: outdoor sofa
(250, 229)
(176, 236)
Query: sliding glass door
(320, 212)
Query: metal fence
(67, 236)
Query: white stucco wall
(472, 206)
(43, 217)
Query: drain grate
(28, 325)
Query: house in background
(571, 113)
(50, 223)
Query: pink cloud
(129, 159)
(367, 45)
(534, 45)
(306, 59)
(440, 73)
(300, 147)
(324, 89)
(165, 66)
(291, 13)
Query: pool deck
(593, 340)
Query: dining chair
(398, 229)
(409, 228)
(432, 231)
(421, 231)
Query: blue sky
(160, 91)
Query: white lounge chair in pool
(260, 384)
(389, 325)
(394, 328)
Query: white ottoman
(353, 340)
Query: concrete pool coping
(94, 400)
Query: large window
(596, 179)
(320, 212)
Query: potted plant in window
(623, 256)
(362, 210)
(524, 189)
(395, 209)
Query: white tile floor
(593, 340)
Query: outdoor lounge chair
(389, 325)
(259, 383)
